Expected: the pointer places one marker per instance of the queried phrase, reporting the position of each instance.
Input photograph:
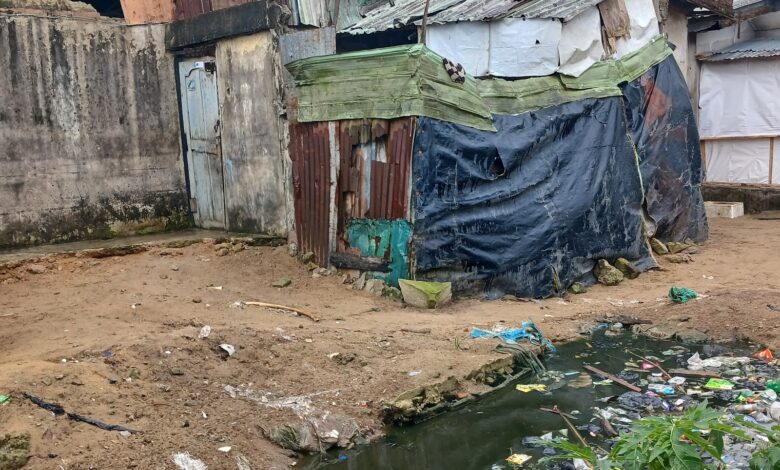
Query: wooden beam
(771, 158)
(617, 380)
(695, 373)
(614, 17)
(343, 260)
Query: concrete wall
(255, 168)
(89, 131)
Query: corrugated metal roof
(406, 12)
(744, 3)
(755, 48)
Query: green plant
(768, 457)
(661, 443)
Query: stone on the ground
(607, 274)
(577, 288)
(392, 293)
(223, 251)
(676, 247)
(627, 268)
(375, 286)
(14, 451)
(283, 282)
(36, 269)
(424, 294)
(658, 246)
(691, 336)
(306, 258)
(679, 258)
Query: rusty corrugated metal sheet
(220, 4)
(310, 155)
(374, 171)
(190, 8)
(752, 49)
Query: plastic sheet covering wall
(580, 45)
(663, 128)
(310, 155)
(643, 27)
(466, 43)
(740, 97)
(738, 160)
(529, 209)
(524, 48)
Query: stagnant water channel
(483, 434)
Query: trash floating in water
(719, 384)
(525, 388)
(518, 459)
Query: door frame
(208, 54)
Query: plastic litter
(525, 388)
(184, 461)
(518, 459)
(676, 381)
(661, 389)
(59, 410)
(225, 449)
(766, 355)
(528, 331)
(228, 348)
(204, 332)
(719, 384)
(682, 295)
(5, 399)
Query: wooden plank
(695, 373)
(738, 137)
(614, 17)
(617, 380)
(771, 158)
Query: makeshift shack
(499, 184)
(739, 100)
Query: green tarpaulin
(411, 81)
(385, 84)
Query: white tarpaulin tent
(740, 118)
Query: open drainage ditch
(484, 433)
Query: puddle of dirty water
(484, 433)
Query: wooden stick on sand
(308, 315)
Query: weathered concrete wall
(89, 131)
(254, 164)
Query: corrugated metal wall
(375, 159)
(310, 155)
(189, 8)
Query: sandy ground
(70, 331)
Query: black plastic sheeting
(663, 126)
(527, 210)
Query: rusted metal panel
(148, 11)
(220, 4)
(191, 8)
(375, 167)
(310, 155)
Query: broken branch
(308, 315)
(617, 380)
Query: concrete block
(728, 210)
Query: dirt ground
(75, 332)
